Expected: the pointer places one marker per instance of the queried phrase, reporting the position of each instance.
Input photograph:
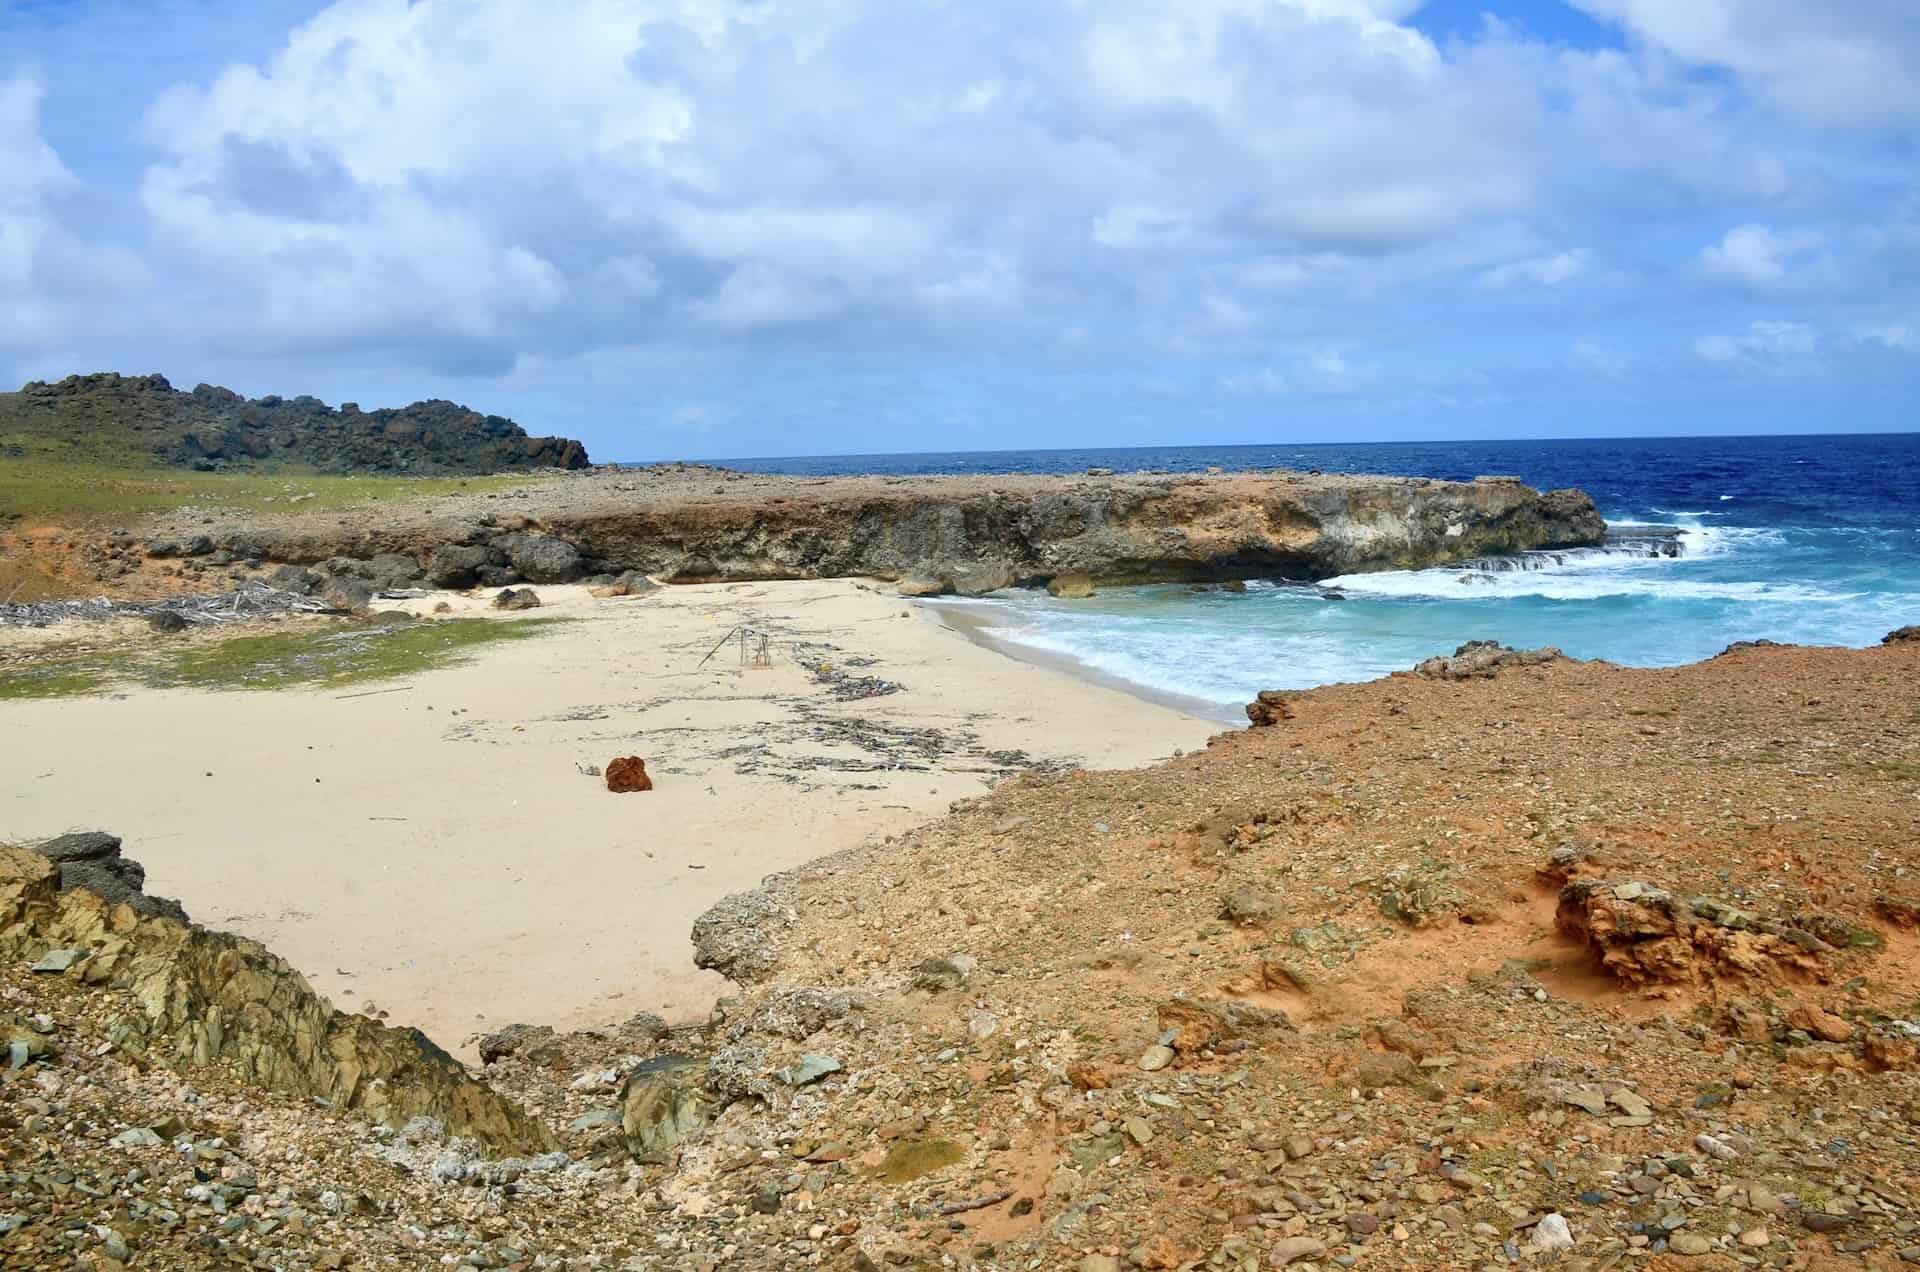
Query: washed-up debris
(250, 600)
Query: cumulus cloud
(1538, 271)
(1765, 344)
(1763, 258)
(1848, 62)
(475, 188)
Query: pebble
(1156, 1058)
(1552, 1233)
(1755, 1237)
(1293, 1249)
(1691, 1244)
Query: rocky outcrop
(213, 428)
(91, 859)
(737, 937)
(1902, 635)
(964, 535)
(1269, 709)
(1483, 660)
(192, 997)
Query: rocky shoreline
(931, 535)
(1506, 960)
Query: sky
(722, 228)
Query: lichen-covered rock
(194, 997)
(737, 936)
(1646, 937)
(1484, 659)
(663, 1102)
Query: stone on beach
(626, 774)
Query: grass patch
(1898, 770)
(117, 489)
(60, 679)
(324, 659)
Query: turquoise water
(1810, 540)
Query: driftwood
(249, 601)
(976, 1203)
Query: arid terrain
(1510, 961)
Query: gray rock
(91, 859)
(390, 570)
(457, 565)
(597, 1118)
(57, 961)
(937, 974)
(510, 1041)
(524, 598)
(168, 622)
(295, 578)
(541, 558)
(810, 1068)
(736, 936)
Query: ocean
(1809, 540)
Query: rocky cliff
(958, 534)
(144, 417)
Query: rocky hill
(144, 419)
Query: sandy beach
(433, 851)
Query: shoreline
(975, 620)
(432, 852)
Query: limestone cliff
(963, 534)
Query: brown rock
(1071, 587)
(1823, 1025)
(1162, 1251)
(628, 773)
(1268, 709)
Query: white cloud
(1763, 258)
(1540, 271)
(1765, 344)
(1901, 337)
(1853, 62)
(1317, 372)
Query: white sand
(434, 851)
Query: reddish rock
(1268, 709)
(628, 773)
(1823, 1025)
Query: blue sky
(748, 227)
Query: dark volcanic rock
(541, 558)
(213, 428)
(456, 565)
(1902, 635)
(91, 859)
(521, 599)
(167, 621)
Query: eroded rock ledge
(937, 534)
(195, 997)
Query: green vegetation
(316, 659)
(39, 483)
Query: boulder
(626, 774)
(294, 578)
(1071, 587)
(1902, 635)
(347, 593)
(169, 622)
(632, 583)
(517, 599)
(457, 565)
(392, 570)
(924, 587)
(662, 1103)
(541, 558)
(511, 1041)
(1268, 709)
(736, 936)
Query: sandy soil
(433, 850)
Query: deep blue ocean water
(1813, 540)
